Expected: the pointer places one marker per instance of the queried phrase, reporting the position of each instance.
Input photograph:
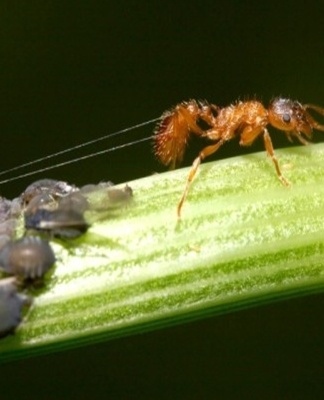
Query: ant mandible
(245, 119)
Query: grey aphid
(61, 223)
(29, 257)
(11, 305)
(117, 195)
(5, 209)
(41, 201)
(52, 187)
(74, 202)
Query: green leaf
(244, 239)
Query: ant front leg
(207, 151)
(319, 110)
(270, 151)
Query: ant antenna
(78, 146)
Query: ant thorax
(231, 121)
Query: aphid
(5, 209)
(56, 208)
(4, 239)
(44, 201)
(29, 257)
(9, 209)
(246, 120)
(113, 197)
(51, 187)
(8, 227)
(15, 211)
(11, 306)
(74, 201)
(60, 223)
(123, 195)
(91, 187)
(8, 220)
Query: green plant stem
(244, 239)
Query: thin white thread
(74, 160)
(81, 145)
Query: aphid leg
(207, 151)
(270, 151)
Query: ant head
(290, 116)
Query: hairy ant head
(290, 116)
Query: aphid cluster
(53, 209)
(246, 120)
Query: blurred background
(76, 70)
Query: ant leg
(270, 151)
(314, 123)
(300, 138)
(208, 113)
(207, 151)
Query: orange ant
(245, 119)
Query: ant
(244, 119)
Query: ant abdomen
(172, 133)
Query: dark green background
(73, 71)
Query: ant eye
(286, 118)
